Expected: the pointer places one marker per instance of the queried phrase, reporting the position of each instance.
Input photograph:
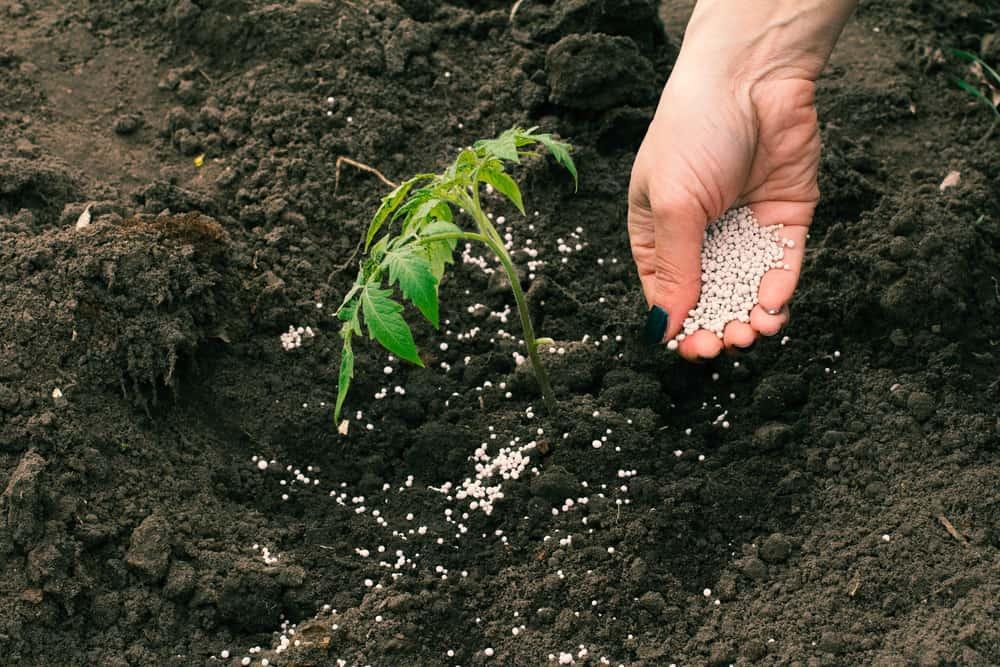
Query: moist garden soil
(848, 515)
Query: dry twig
(951, 530)
(342, 160)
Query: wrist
(761, 40)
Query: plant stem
(454, 236)
(548, 395)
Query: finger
(642, 237)
(700, 345)
(766, 323)
(739, 337)
(778, 285)
(679, 229)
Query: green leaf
(423, 211)
(348, 314)
(994, 74)
(504, 184)
(346, 370)
(390, 203)
(412, 210)
(386, 325)
(526, 137)
(378, 250)
(465, 161)
(410, 267)
(973, 58)
(442, 227)
(503, 147)
(560, 151)
(349, 306)
(441, 253)
(969, 88)
(975, 92)
(442, 212)
(965, 55)
(431, 208)
(415, 200)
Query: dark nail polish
(656, 326)
(748, 348)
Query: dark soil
(849, 516)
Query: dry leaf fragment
(513, 10)
(951, 180)
(84, 219)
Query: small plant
(415, 255)
(987, 79)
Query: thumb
(680, 230)
(672, 282)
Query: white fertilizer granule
(736, 253)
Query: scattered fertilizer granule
(292, 340)
(736, 253)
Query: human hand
(741, 132)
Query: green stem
(454, 236)
(548, 395)
(481, 219)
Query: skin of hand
(736, 125)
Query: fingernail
(773, 311)
(746, 348)
(656, 326)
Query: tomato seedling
(415, 257)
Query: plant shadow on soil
(848, 515)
